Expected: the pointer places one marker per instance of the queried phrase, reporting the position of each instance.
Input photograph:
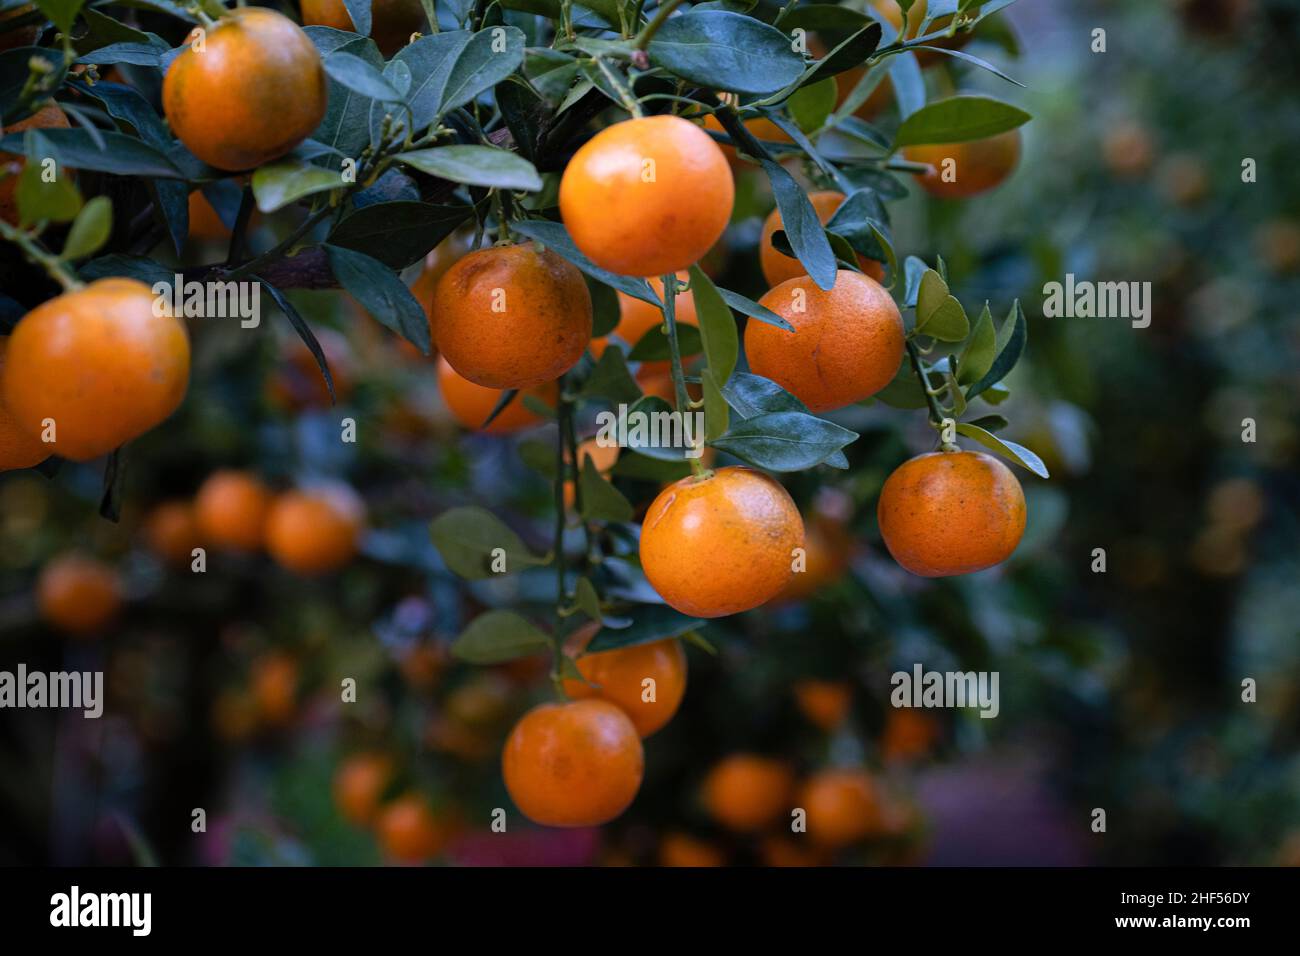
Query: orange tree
(587, 150)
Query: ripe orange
(99, 364)
(720, 544)
(443, 256)
(682, 849)
(512, 316)
(274, 684)
(316, 530)
(827, 549)
(391, 25)
(205, 224)
(825, 703)
(747, 793)
(948, 513)
(471, 404)
(231, 509)
(255, 92)
(11, 39)
(576, 764)
(857, 315)
(648, 196)
(603, 458)
(843, 807)
(18, 449)
(619, 676)
(977, 166)
(359, 784)
(908, 734)
(47, 117)
(78, 595)
(778, 267)
(172, 531)
(408, 831)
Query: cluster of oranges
(404, 822)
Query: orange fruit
(778, 267)
(1128, 150)
(359, 784)
(682, 849)
(255, 92)
(231, 508)
(18, 449)
(99, 364)
(857, 315)
(908, 734)
(316, 530)
(825, 703)
(1277, 243)
(827, 549)
(722, 543)
(512, 316)
(575, 764)
(471, 404)
(391, 21)
(47, 117)
(977, 165)
(636, 318)
(948, 513)
(619, 677)
(442, 257)
(10, 38)
(78, 595)
(747, 793)
(205, 224)
(789, 851)
(843, 807)
(172, 531)
(274, 684)
(408, 831)
(647, 197)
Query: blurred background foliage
(1120, 690)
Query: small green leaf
(977, 357)
(90, 230)
(278, 184)
(38, 201)
(470, 539)
(716, 410)
(939, 314)
(1007, 449)
(475, 166)
(959, 119)
(611, 380)
(717, 327)
(601, 501)
(584, 594)
(811, 104)
(497, 636)
(1009, 346)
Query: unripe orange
(847, 343)
(648, 196)
(720, 544)
(947, 513)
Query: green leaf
(524, 111)
(451, 68)
(131, 267)
(990, 423)
(653, 345)
(958, 119)
(497, 636)
(605, 310)
(611, 380)
(398, 234)
(801, 226)
(103, 151)
(717, 327)
(360, 77)
(977, 357)
(728, 51)
(381, 293)
(57, 201)
(62, 12)
(278, 184)
(650, 623)
(1009, 345)
(585, 596)
(755, 311)
(1007, 449)
(90, 230)
(347, 124)
(810, 105)
(555, 237)
(601, 501)
(716, 413)
(468, 537)
(938, 314)
(904, 391)
(475, 166)
(784, 441)
(359, 13)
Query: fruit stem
(281, 248)
(663, 13)
(936, 413)
(37, 255)
(684, 404)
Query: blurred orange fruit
(619, 676)
(231, 509)
(359, 785)
(747, 793)
(471, 404)
(842, 806)
(825, 703)
(961, 170)
(77, 594)
(315, 530)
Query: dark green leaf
(555, 237)
(1007, 449)
(381, 293)
(470, 539)
(958, 119)
(802, 227)
(726, 51)
(398, 234)
(497, 636)
(601, 501)
(650, 622)
(784, 441)
(475, 166)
